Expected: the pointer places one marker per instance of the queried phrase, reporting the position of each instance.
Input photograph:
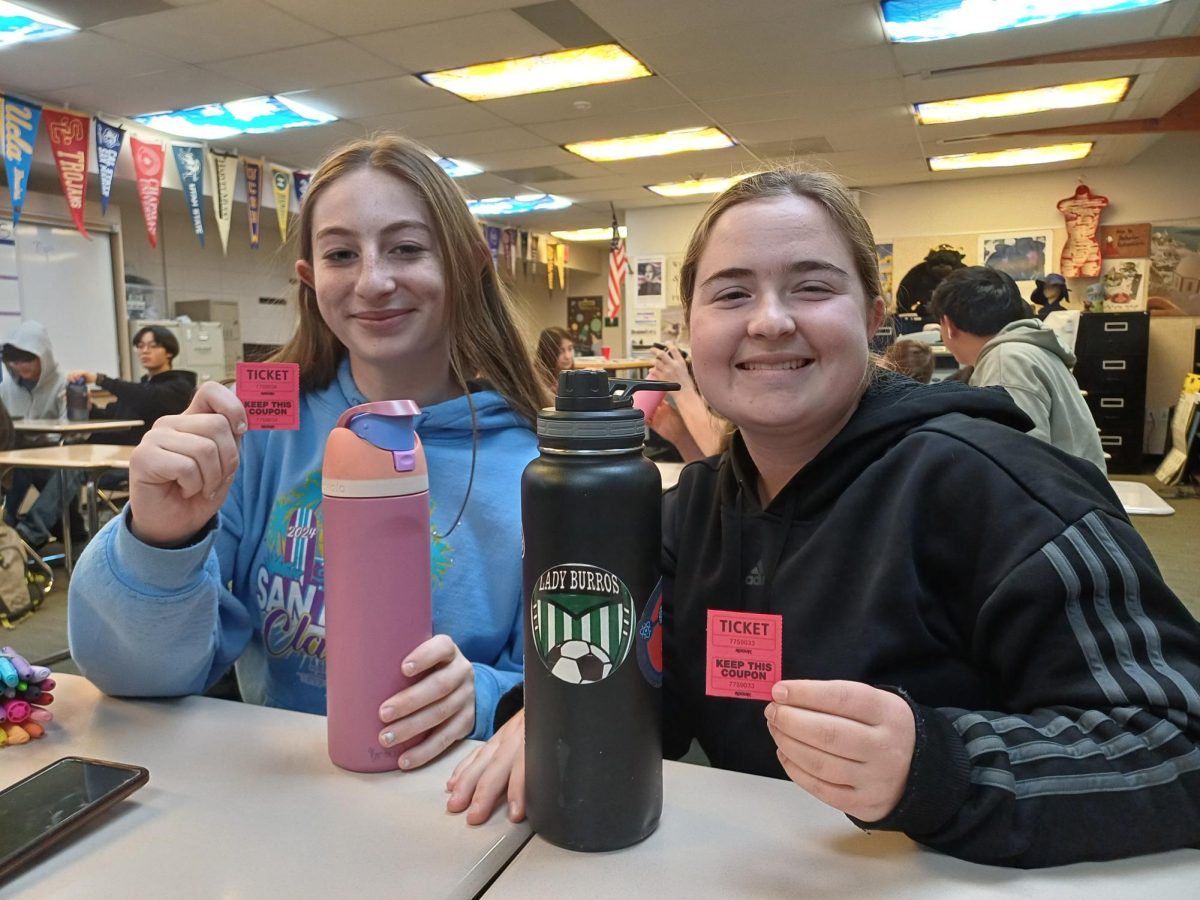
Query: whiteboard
(65, 282)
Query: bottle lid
(593, 414)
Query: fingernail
(241, 428)
(388, 738)
(387, 714)
(779, 692)
(409, 668)
(405, 763)
(769, 712)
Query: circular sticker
(583, 620)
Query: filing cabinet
(1111, 351)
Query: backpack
(18, 596)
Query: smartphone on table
(38, 812)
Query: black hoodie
(165, 394)
(934, 549)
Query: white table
(727, 835)
(1140, 500)
(92, 459)
(66, 427)
(244, 802)
(669, 472)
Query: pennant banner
(300, 182)
(493, 240)
(281, 184)
(108, 148)
(508, 246)
(560, 260)
(224, 178)
(254, 179)
(148, 167)
(551, 250)
(523, 238)
(20, 134)
(68, 133)
(189, 160)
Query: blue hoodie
(149, 622)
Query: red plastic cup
(647, 401)
(606, 352)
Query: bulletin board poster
(1125, 283)
(585, 322)
(1125, 241)
(644, 328)
(1019, 254)
(674, 271)
(651, 272)
(1175, 268)
(884, 256)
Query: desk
(612, 366)
(89, 458)
(669, 472)
(63, 427)
(725, 834)
(1140, 500)
(244, 802)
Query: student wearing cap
(1050, 294)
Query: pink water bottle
(378, 604)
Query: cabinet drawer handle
(1113, 365)
(1111, 440)
(1116, 326)
(1112, 402)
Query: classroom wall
(1160, 186)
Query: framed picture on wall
(1023, 255)
(651, 282)
(884, 256)
(585, 323)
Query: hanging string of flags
(70, 133)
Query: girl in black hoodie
(978, 649)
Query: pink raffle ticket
(270, 392)
(745, 652)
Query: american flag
(618, 265)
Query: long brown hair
(482, 336)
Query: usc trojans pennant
(68, 133)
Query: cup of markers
(24, 696)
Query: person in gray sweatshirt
(986, 324)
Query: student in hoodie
(162, 391)
(986, 324)
(978, 649)
(33, 388)
(399, 298)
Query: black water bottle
(77, 401)
(593, 626)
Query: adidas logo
(755, 578)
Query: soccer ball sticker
(583, 621)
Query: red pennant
(69, 143)
(148, 166)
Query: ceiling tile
(444, 120)
(665, 118)
(299, 147)
(176, 88)
(807, 103)
(202, 33)
(521, 159)
(371, 16)
(479, 187)
(301, 68)
(78, 58)
(468, 40)
(622, 18)
(490, 140)
(722, 80)
(358, 99)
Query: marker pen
(45, 685)
(16, 734)
(8, 672)
(42, 699)
(16, 711)
(39, 673)
(22, 665)
(33, 729)
(37, 714)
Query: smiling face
(780, 321)
(566, 355)
(378, 276)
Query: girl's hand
(441, 705)
(848, 744)
(669, 365)
(181, 471)
(490, 773)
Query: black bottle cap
(593, 414)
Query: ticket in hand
(744, 654)
(270, 392)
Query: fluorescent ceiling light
(19, 24)
(511, 206)
(1022, 156)
(1020, 103)
(695, 186)
(254, 115)
(589, 234)
(933, 20)
(557, 71)
(456, 168)
(636, 146)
